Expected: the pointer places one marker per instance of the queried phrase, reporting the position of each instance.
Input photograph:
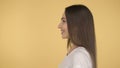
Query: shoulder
(81, 53)
(81, 57)
(77, 50)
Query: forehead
(63, 16)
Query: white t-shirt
(78, 58)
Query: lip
(62, 31)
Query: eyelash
(63, 21)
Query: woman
(77, 26)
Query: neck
(71, 48)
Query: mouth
(62, 31)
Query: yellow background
(29, 37)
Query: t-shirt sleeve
(81, 60)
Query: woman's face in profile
(63, 27)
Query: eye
(63, 21)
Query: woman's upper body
(77, 25)
(77, 58)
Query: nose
(59, 25)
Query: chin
(64, 38)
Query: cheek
(66, 32)
(66, 29)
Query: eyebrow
(63, 18)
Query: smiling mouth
(62, 31)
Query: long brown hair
(81, 29)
